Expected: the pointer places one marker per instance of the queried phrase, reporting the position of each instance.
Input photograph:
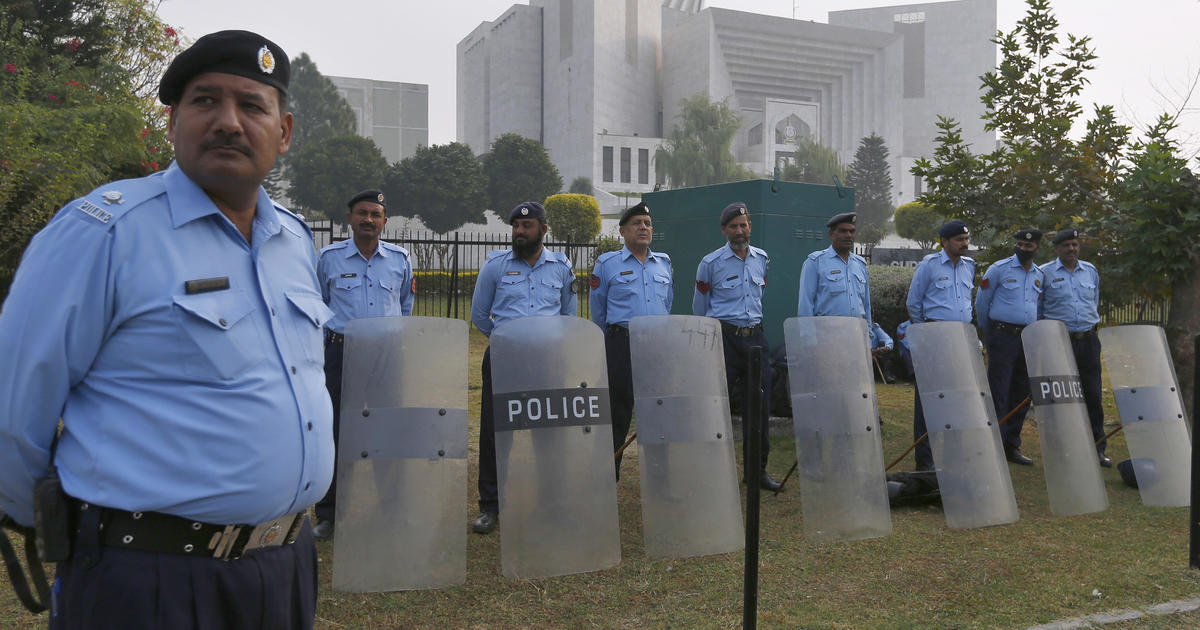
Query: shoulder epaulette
(297, 219)
(108, 203)
(712, 256)
(335, 246)
(396, 248)
(606, 256)
(494, 254)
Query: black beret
(370, 194)
(952, 229)
(735, 209)
(635, 211)
(241, 53)
(1065, 235)
(1028, 234)
(845, 217)
(528, 210)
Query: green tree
(581, 186)
(1152, 245)
(318, 111)
(919, 222)
(573, 218)
(697, 150)
(871, 177)
(518, 169)
(813, 163)
(77, 107)
(442, 184)
(328, 172)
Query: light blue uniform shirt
(1071, 297)
(508, 288)
(209, 405)
(355, 287)
(731, 289)
(832, 286)
(1008, 293)
(624, 287)
(940, 290)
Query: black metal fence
(446, 265)
(1135, 310)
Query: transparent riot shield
(1151, 410)
(690, 499)
(1073, 481)
(402, 456)
(843, 488)
(554, 459)
(963, 431)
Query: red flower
(10, 68)
(154, 166)
(145, 131)
(52, 98)
(75, 43)
(170, 32)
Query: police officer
(1072, 296)
(527, 280)
(833, 281)
(940, 291)
(173, 323)
(361, 276)
(729, 286)
(1007, 301)
(624, 284)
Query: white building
(394, 115)
(598, 81)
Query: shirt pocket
(348, 284)
(835, 281)
(757, 283)
(223, 327)
(624, 286)
(943, 283)
(310, 328)
(510, 291)
(662, 288)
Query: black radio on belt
(51, 518)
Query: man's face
(1068, 251)
(842, 237)
(737, 231)
(637, 231)
(228, 129)
(957, 245)
(527, 232)
(366, 219)
(1028, 246)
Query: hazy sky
(1149, 52)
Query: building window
(755, 136)
(606, 173)
(917, 191)
(626, 158)
(643, 166)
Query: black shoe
(323, 530)
(486, 523)
(924, 468)
(767, 483)
(1105, 462)
(1017, 457)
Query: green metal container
(787, 219)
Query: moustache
(223, 141)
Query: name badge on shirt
(206, 285)
(835, 271)
(512, 273)
(627, 273)
(348, 275)
(731, 278)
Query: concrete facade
(598, 81)
(394, 115)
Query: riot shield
(843, 488)
(554, 459)
(690, 499)
(402, 456)
(1151, 410)
(1073, 481)
(963, 431)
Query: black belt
(740, 331)
(164, 533)
(1012, 329)
(1083, 334)
(617, 330)
(333, 337)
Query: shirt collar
(188, 202)
(626, 253)
(729, 251)
(352, 249)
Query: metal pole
(1194, 547)
(752, 434)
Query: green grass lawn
(923, 575)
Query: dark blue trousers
(1008, 379)
(1086, 348)
(326, 507)
(923, 453)
(737, 351)
(489, 491)
(103, 588)
(620, 388)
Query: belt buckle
(272, 533)
(223, 544)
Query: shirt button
(293, 369)
(222, 322)
(272, 311)
(307, 485)
(310, 426)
